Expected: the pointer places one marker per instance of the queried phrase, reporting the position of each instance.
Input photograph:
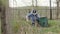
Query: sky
(22, 3)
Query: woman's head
(34, 11)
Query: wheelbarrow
(43, 21)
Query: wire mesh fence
(16, 20)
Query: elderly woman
(33, 16)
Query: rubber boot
(33, 24)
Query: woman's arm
(27, 18)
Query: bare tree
(36, 3)
(32, 4)
(50, 11)
(3, 23)
(57, 8)
(3, 16)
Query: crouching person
(33, 16)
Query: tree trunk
(32, 4)
(36, 3)
(50, 11)
(3, 23)
(57, 9)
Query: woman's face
(34, 13)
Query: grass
(54, 27)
